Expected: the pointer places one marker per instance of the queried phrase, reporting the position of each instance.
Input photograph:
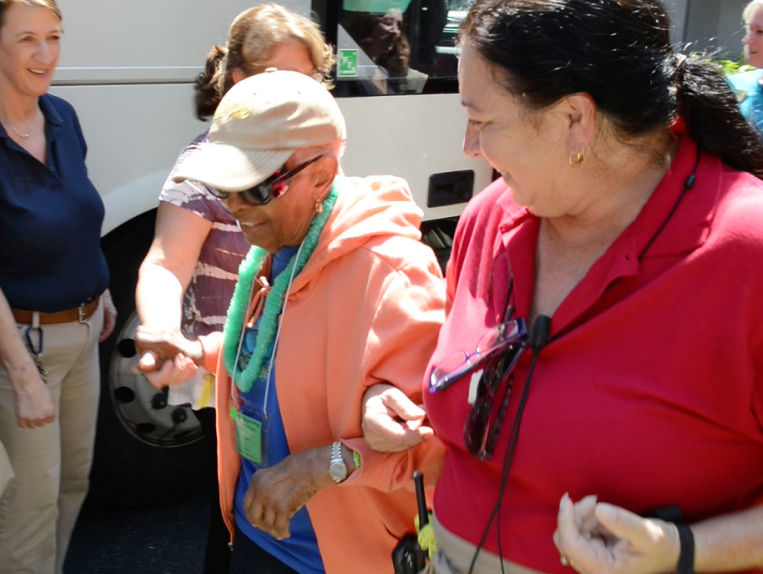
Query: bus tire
(146, 452)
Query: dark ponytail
(711, 113)
(210, 85)
(618, 52)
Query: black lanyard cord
(538, 339)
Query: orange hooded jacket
(366, 308)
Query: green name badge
(248, 436)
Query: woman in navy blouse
(55, 278)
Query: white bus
(128, 68)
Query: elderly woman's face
(524, 148)
(29, 48)
(284, 221)
(753, 39)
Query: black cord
(688, 184)
(538, 340)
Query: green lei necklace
(266, 333)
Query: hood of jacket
(367, 210)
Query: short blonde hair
(251, 39)
(749, 10)
(49, 4)
(255, 32)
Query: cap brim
(228, 168)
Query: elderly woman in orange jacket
(337, 295)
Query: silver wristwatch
(337, 468)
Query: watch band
(337, 466)
(686, 556)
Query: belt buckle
(81, 316)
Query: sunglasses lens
(476, 427)
(257, 195)
(474, 430)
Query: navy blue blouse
(50, 219)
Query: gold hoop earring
(318, 206)
(576, 159)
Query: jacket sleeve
(211, 345)
(403, 335)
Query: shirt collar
(671, 234)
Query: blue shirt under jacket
(50, 219)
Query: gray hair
(749, 10)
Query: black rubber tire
(128, 471)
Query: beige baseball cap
(258, 125)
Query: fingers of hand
(401, 406)
(34, 423)
(148, 362)
(164, 376)
(35, 409)
(385, 434)
(655, 542)
(576, 537)
(252, 507)
(37, 418)
(626, 525)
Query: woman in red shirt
(598, 382)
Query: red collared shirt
(650, 391)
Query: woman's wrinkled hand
(596, 537)
(278, 492)
(155, 346)
(171, 372)
(391, 421)
(109, 316)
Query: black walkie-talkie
(408, 557)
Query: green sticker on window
(347, 64)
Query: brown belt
(80, 314)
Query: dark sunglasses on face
(273, 187)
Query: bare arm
(168, 266)
(729, 542)
(33, 401)
(166, 271)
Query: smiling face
(753, 39)
(284, 221)
(525, 147)
(29, 49)
(388, 29)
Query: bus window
(390, 47)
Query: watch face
(338, 471)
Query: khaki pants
(454, 556)
(40, 506)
